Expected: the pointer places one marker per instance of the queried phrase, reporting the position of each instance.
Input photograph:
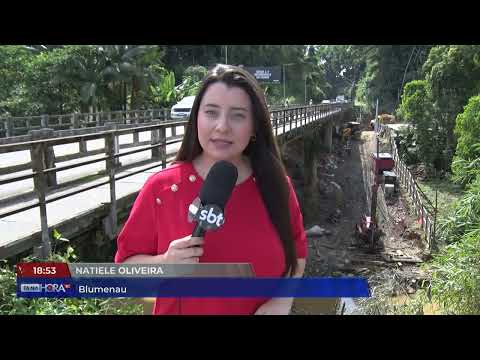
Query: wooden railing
(422, 205)
(44, 168)
(15, 126)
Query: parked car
(182, 109)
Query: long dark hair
(264, 155)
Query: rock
(315, 231)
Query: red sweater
(159, 216)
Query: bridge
(68, 172)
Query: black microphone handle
(198, 231)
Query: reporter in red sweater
(264, 226)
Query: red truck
(382, 162)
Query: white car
(182, 109)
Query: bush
(406, 144)
(456, 275)
(465, 217)
(466, 162)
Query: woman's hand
(186, 250)
(275, 306)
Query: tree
(343, 66)
(83, 68)
(44, 92)
(466, 164)
(387, 69)
(13, 64)
(128, 66)
(417, 108)
(453, 75)
(162, 92)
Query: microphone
(214, 194)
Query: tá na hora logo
(48, 288)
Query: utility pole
(305, 89)
(284, 80)
(226, 54)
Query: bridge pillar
(154, 140)
(44, 121)
(159, 153)
(327, 136)
(75, 122)
(116, 144)
(136, 138)
(82, 146)
(8, 127)
(48, 158)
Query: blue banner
(192, 287)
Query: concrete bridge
(74, 179)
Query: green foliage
(342, 66)
(10, 304)
(466, 163)
(453, 76)
(34, 89)
(406, 141)
(447, 194)
(13, 60)
(467, 130)
(455, 269)
(465, 171)
(192, 79)
(416, 104)
(465, 216)
(456, 275)
(86, 78)
(454, 287)
(417, 108)
(81, 69)
(386, 69)
(162, 93)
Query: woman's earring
(254, 138)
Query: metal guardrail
(423, 207)
(44, 169)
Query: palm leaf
(135, 52)
(127, 68)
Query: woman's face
(225, 122)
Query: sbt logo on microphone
(211, 217)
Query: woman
(229, 121)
